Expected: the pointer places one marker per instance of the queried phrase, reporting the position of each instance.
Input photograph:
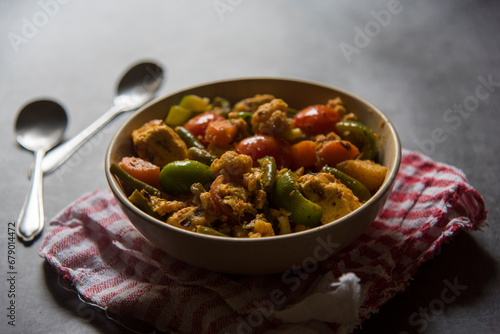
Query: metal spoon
(39, 127)
(136, 87)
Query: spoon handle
(61, 153)
(31, 218)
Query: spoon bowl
(137, 87)
(39, 127)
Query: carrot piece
(220, 132)
(335, 151)
(142, 170)
(303, 154)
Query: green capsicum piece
(286, 195)
(361, 136)
(132, 182)
(268, 167)
(177, 115)
(178, 176)
(195, 103)
(357, 188)
(188, 137)
(139, 200)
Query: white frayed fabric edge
(340, 305)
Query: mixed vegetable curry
(254, 169)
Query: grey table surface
(418, 61)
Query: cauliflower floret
(238, 198)
(260, 227)
(271, 118)
(257, 228)
(332, 195)
(188, 218)
(158, 143)
(338, 105)
(232, 164)
(252, 103)
(164, 207)
(252, 182)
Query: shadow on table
(455, 278)
(68, 299)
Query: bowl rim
(385, 188)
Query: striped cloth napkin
(111, 265)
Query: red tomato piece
(316, 119)
(198, 124)
(259, 146)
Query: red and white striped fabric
(110, 264)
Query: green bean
(197, 189)
(286, 195)
(138, 199)
(357, 188)
(132, 182)
(246, 116)
(268, 166)
(188, 137)
(201, 155)
(292, 111)
(361, 136)
(210, 231)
